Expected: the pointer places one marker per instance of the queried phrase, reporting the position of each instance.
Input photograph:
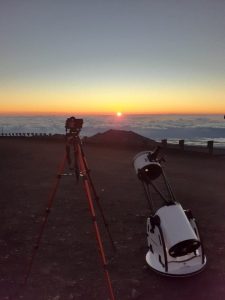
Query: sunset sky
(105, 56)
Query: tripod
(81, 170)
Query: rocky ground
(67, 265)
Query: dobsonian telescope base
(175, 247)
(159, 258)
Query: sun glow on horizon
(113, 100)
(54, 63)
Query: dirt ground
(67, 265)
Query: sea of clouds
(195, 129)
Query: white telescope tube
(145, 169)
(179, 236)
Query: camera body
(74, 125)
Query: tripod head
(74, 126)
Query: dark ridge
(114, 137)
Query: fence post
(181, 144)
(164, 143)
(210, 146)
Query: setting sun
(125, 74)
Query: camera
(74, 125)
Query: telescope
(174, 243)
(146, 167)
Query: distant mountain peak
(120, 137)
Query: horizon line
(23, 114)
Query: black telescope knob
(153, 155)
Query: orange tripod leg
(87, 189)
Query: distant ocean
(194, 129)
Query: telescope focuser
(152, 156)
